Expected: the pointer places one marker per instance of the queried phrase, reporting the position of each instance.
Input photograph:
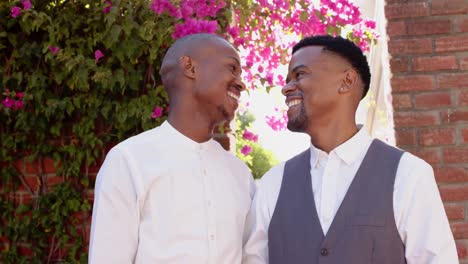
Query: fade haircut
(343, 48)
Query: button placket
(209, 207)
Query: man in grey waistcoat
(348, 199)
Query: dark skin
(203, 81)
(325, 92)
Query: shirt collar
(348, 151)
(183, 140)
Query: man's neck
(192, 126)
(329, 136)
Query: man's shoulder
(145, 140)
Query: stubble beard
(299, 122)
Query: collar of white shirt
(181, 140)
(348, 152)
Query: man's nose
(289, 87)
(240, 85)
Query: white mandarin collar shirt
(161, 197)
(418, 209)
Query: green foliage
(259, 160)
(75, 108)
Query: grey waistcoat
(363, 230)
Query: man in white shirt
(172, 194)
(348, 199)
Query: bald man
(172, 194)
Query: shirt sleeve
(258, 219)
(420, 215)
(115, 220)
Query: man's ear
(349, 81)
(188, 66)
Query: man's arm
(420, 215)
(114, 229)
(259, 217)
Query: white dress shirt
(419, 213)
(162, 198)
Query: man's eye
(299, 74)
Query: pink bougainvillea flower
(246, 150)
(18, 105)
(8, 102)
(98, 55)
(108, 7)
(20, 95)
(192, 26)
(157, 112)
(53, 49)
(15, 11)
(248, 135)
(26, 4)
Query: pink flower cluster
(250, 136)
(278, 121)
(54, 49)
(108, 7)
(14, 101)
(16, 10)
(246, 150)
(274, 26)
(157, 112)
(197, 16)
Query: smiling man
(172, 194)
(348, 198)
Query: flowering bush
(78, 76)
(248, 149)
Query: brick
(49, 165)
(463, 98)
(452, 43)
(456, 155)
(451, 116)
(31, 167)
(432, 100)
(402, 10)
(405, 137)
(410, 46)
(414, 119)
(446, 7)
(451, 174)
(460, 230)
(428, 27)
(396, 28)
(461, 25)
(435, 63)
(401, 101)
(464, 63)
(464, 134)
(54, 180)
(453, 80)
(455, 211)
(431, 156)
(436, 136)
(454, 193)
(461, 250)
(413, 83)
(32, 181)
(399, 65)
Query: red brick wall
(428, 43)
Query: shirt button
(324, 252)
(209, 203)
(212, 237)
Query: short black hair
(345, 49)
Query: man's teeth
(293, 103)
(233, 95)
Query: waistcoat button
(324, 252)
